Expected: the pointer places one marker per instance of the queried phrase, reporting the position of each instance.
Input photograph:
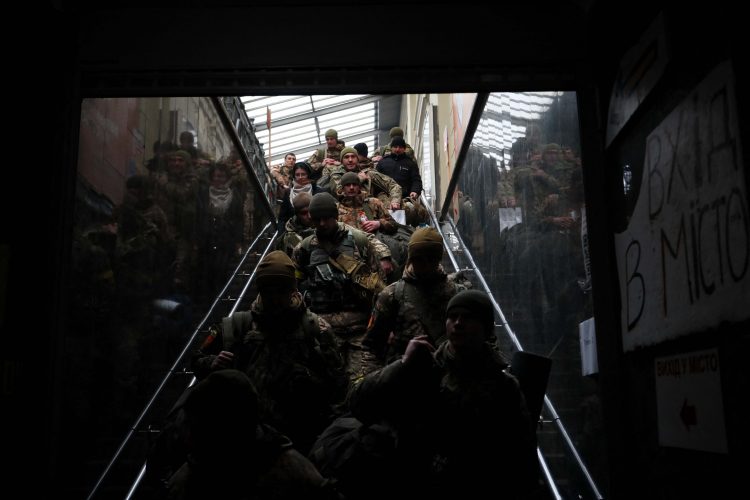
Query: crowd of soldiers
(543, 253)
(408, 399)
(166, 249)
(360, 367)
(356, 326)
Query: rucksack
(355, 454)
(416, 213)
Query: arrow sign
(688, 415)
(687, 385)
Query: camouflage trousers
(349, 329)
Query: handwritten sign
(684, 260)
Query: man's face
(352, 189)
(303, 216)
(464, 329)
(350, 161)
(398, 150)
(276, 297)
(176, 163)
(331, 142)
(289, 160)
(325, 226)
(424, 266)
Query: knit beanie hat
(301, 201)
(346, 151)
(323, 205)
(361, 148)
(426, 242)
(350, 178)
(398, 141)
(275, 266)
(478, 303)
(396, 132)
(331, 133)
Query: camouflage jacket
(534, 184)
(449, 413)
(341, 272)
(365, 248)
(294, 233)
(410, 307)
(281, 174)
(316, 160)
(293, 361)
(266, 468)
(377, 184)
(352, 210)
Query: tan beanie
(426, 241)
(275, 266)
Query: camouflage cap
(426, 242)
(477, 303)
(396, 132)
(350, 178)
(331, 133)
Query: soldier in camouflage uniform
(177, 196)
(369, 215)
(364, 161)
(386, 150)
(462, 422)
(287, 351)
(329, 156)
(358, 210)
(414, 305)
(342, 269)
(373, 182)
(297, 228)
(282, 174)
(234, 453)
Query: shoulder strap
(234, 326)
(360, 239)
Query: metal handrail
(547, 403)
(177, 362)
(504, 322)
(436, 225)
(549, 480)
